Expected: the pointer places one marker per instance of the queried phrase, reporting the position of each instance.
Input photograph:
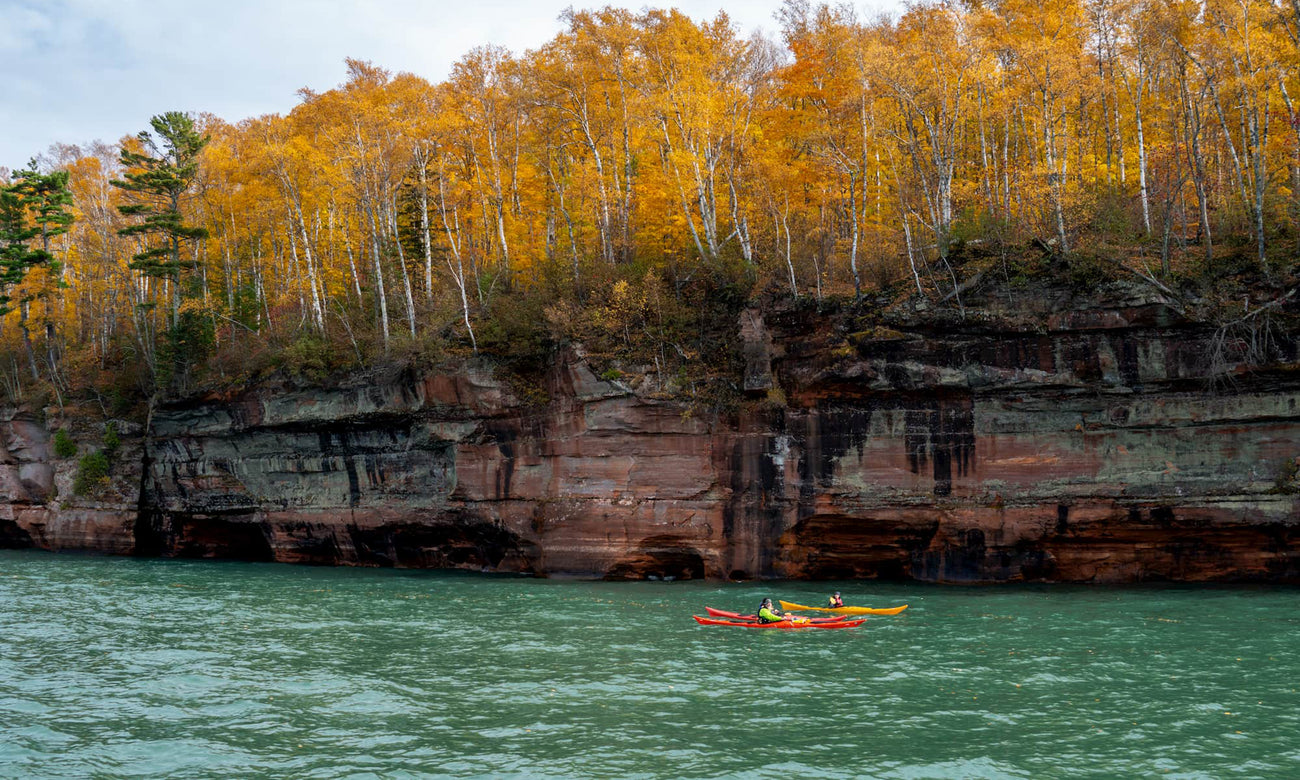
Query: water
(113, 667)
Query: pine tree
(34, 205)
(48, 199)
(16, 253)
(159, 177)
(48, 202)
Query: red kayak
(722, 613)
(784, 624)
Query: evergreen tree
(158, 179)
(34, 205)
(160, 174)
(48, 199)
(16, 253)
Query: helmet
(767, 602)
(837, 594)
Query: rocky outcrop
(38, 506)
(1065, 444)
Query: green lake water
(113, 667)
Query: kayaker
(835, 601)
(770, 614)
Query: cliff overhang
(1067, 442)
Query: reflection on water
(118, 667)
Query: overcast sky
(73, 71)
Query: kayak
(784, 624)
(722, 613)
(790, 605)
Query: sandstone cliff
(1012, 443)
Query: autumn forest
(635, 181)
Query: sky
(73, 71)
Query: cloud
(78, 70)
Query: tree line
(619, 182)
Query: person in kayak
(770, 614)
(835, 601)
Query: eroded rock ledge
(1079, 445)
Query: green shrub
(185, 346)
(308, 358)
(111, 441)
(1112, 215)
(1286, 483)
(92, 473)
(64, 446)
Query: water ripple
(126, 668)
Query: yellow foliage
(654, 139)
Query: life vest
(771, 617)
(834, 602)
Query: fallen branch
(1150, 279)
(1271, 304)
(963, 287)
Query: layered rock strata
(1082, 445)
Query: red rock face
(37, 505)
(1085, 447)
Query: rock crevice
(1089, 446)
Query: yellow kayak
(790, 605)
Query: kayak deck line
(790, 605)
(782, 625)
